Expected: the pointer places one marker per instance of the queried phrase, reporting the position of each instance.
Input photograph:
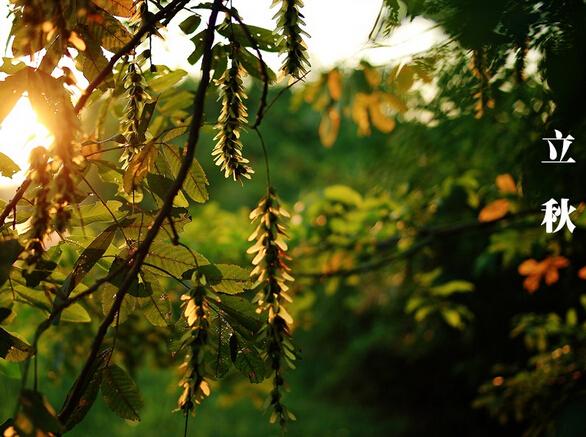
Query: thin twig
(10, 206)
(198, 107)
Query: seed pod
(194, 384)
(272, 274)
(289, 24)
(228, 150)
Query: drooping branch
(166, 14)
(141, 253)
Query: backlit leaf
(140, 165)
(227, 278)
(7, 166)
(195, 185)
(121, 393)
(119, 8)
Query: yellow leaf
(139, 167)
(372, 76)
(77, 42)
(379, 120)
(360, 113)
(506, 184)
(494, 210)
(404, 79)
(120, 8)
(329, 127)
(335, 84)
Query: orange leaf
(530, 267)
(531, 283)
(559, 262)
(77, 42)
(335, 84)
(551, 276)
(494, 210)
(506, 184)
(380, 120)
(329, 127)
(582, 273)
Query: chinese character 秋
(554, 211)
(561, 142)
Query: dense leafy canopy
(425, 283)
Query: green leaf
(88, 258)
(343, 194)
(42, 271)
(265, 39)
(219, 60)
(10, 370)
(195, 185)
(7, 166)
(453, 318)
(190, 24)
(10, 249)
(241, 314)
(253, 66)
(160, 186)
(75, 314)
(107, 294)
(452, 287)
(220, 334)
(174, 259)
(158, 311)
(249, 361)
(227, 278)
(121, 393)
(198, 40)
(97, 212)
(13, 348)
(89, 390)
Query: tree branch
(198, 107)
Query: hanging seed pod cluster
(290, 25)
(136, 93)
(272, 274)
(228, 150)
(196, 313)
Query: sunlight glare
(21, 132)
